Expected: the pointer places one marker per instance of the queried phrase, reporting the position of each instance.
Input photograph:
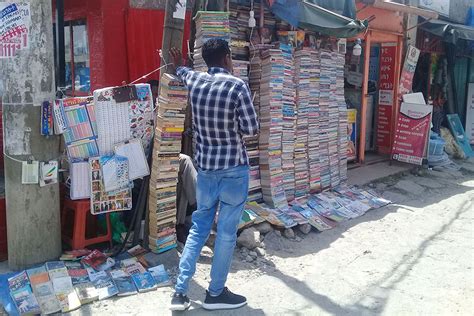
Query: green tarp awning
(449, 32)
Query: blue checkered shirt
(223, 113)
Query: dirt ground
(414, 257)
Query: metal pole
(365, 89)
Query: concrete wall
(458, 10)
(33, 224)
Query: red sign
(388, 54)
(408, 71)
(411, 133)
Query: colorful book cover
(103, 283)
(18, 281)
(47, 300)
(144, 282)
(160, 275)
(86, 292)
(38, 275)
(25, 301)
(124, 282)
(56, 269)
(66, 294)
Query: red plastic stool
(78, 212)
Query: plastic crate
(436, 147)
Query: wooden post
(33, 223)
(365, 89)
(173, 32)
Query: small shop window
(77, 58)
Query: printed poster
(102, 201)
(412, 132)
(351, 134)
(15, 18)
(386, 96)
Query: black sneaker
(226, 300)
(179, 302)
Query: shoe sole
(180, 308)
(220, 306)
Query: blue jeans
(230, 188)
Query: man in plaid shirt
(222, 114)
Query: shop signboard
(411, 133)
(408, 71)
(470, 113)
(388, 53)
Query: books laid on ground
(74, 255)
(144, 281)
(134, 268)
(103, 283)
(66, 294)
(56, 269)
(98, 261)
(85, 290)
(160, 275)
(37, 275)
(22, 294)
(46, 297)
(124, 282)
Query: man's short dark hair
(214, 51)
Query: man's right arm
(184, 73)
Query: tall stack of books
(333, 111)
(252, 143)
(209, 25)
(303, 64)
(289, 117)
(314, 126)
(342, 133)
(271, 120)
(324, 103)
(238, 20)
(169, 127)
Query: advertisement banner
(388, 53)
(351, 134)
(14, 27)
(408, 71)
(412, 132)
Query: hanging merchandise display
(75, 119)
(123, 113)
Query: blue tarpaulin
(314, 15)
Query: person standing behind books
(223, 113)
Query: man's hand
(176, 57)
